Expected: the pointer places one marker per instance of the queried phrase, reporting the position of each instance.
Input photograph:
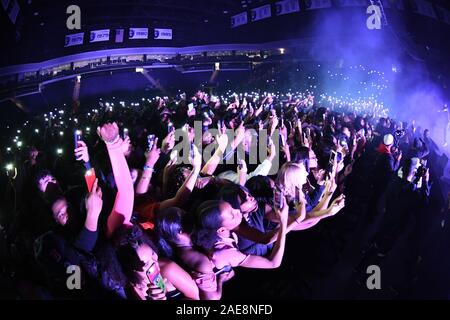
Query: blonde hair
(287, 177)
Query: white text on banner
(74, 39)
(286, 6)
(164, 34)
(138, 33)
(260, 13)
(239, 19)
(99, 35)
(317, 4)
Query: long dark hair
(127, 242)
(234, 194)
(208, 221)
(169, 224)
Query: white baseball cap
(388, 139)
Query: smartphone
(150, 141)
(90, 177)
(283, 141)
(340, 156)
(241, 165)
(191, 150)
(170, 127)
(333, 156)
(190, 106)
(278, 197)
(125, 133)
(77, 137)
(227, 268)
(154, 276)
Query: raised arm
(150, 159)
(186, 189)
(87, 238)
(123, 205)
(213, 162)
(276, 256)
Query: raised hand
(152, 156)
(81, 153)
(168, 142)
(156, 293)
(109, 132)
(94, 200)
(337, 205)
(242, 167)
(222, 141)
(196, 161)
(126, 145)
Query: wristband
(148, 168)
(87, 165)
(112, 141)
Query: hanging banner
(119, 35)
(239, 19)
(138, 33)
(317, 4)
(74, 39)
(260, 13)
(164, 34)
(286, 6)
(99, 35)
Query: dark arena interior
(224, 150)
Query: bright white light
(88, 129)
(59, 151)
(8, 149)
(79, 78)
(140, 69)
(282, 50)
(19, 143)
(61, 133)
(9, 166)
(36, 130)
